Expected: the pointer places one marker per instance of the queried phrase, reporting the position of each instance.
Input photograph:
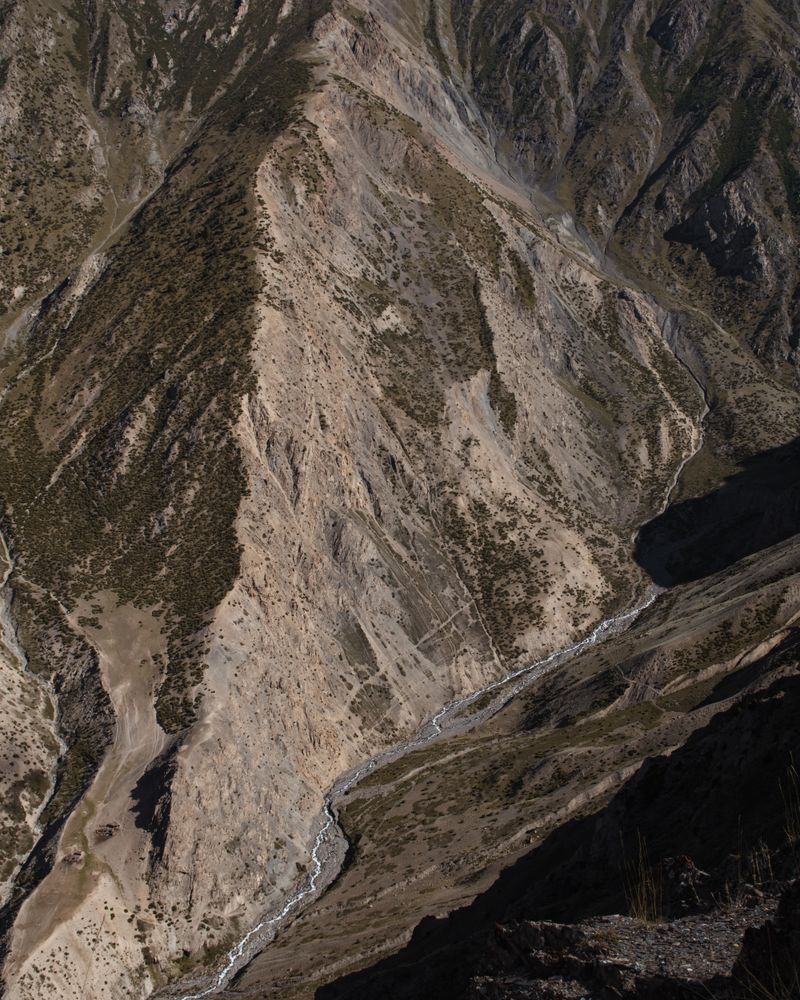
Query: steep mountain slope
(341, 362)
(670, 132)
(708, 676)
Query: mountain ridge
(359, 409)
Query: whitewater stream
(326, 854)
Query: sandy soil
(82, 913)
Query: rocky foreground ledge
(746, 947)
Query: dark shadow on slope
(152, 799)
(712, 799)
(756, 508)
(786, 651)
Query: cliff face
(345, 349)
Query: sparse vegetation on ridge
(350, 410)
